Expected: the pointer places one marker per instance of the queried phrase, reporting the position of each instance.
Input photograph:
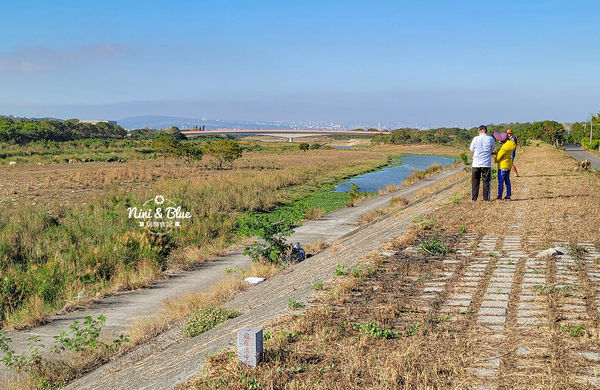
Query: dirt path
(579, 154)
(120, 309)
(172, 360)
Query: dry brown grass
(389, 188)
(419, 175)
(175, 310)
(371, 216)
(314, 213)
(396, 203)
(457, 178)
(317, 246)
(34, 313)
(79, 183)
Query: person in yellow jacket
(504, 160)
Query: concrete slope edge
(219, 338)
(419, 200)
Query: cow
(12, 163)
(73, 161)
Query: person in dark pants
(482, 147)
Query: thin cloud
(33, 59)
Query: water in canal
(395, 174)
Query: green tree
(175, 133)
(190, 152)
(166, 146)
(224, 151)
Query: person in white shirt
(482, 147)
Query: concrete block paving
(505, 290)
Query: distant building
(94, 122)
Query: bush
(354, 195)
(303, 146)
(273, 246)
(83, 339)
(464, 158)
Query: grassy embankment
(370, 315)
(52, 254)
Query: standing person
(512, 154)
(482, 147)
(504, 160)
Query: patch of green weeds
(339, 270)
(207, 319)
(412, 330)
(455, 198)
(433, 246)
(462, 229)
(574, 330)
(252, 383)
(295, 304)
(318, 285)
(428, 224)
(417, 219)
(373, 329)
(566, 291)
(358, 271)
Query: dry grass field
(464, 303)
(66, 224)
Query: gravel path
(120, 309)
(172, 360)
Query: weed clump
(373, 329)
(207, 319)
(433, 246)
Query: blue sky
(412, 62)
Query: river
(394, 174)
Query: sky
(416, 63)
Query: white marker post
(250, 346)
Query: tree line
(23, 131)
(223, 151)
(580, 133)
(548, 131)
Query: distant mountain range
(162, 122)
